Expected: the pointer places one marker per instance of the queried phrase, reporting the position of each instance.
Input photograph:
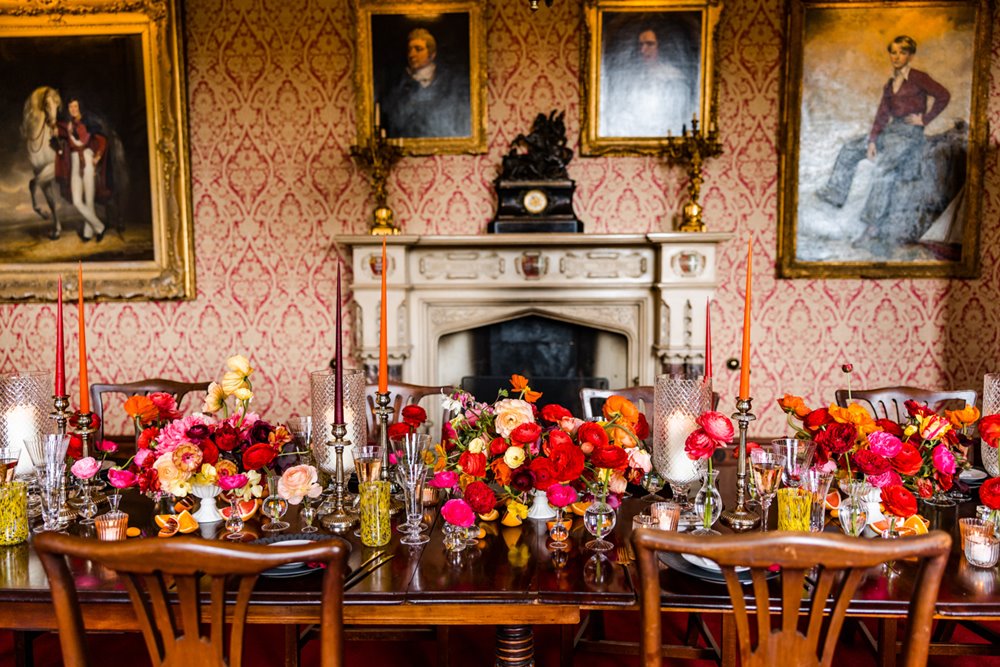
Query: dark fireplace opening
(557, 357)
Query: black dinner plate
(290, 570)
(677, 562)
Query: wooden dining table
(510, 580)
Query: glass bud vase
(599, 520)
(708, 504)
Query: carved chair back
(888, 402)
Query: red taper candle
(60, 351)
(84, 389)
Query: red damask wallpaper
(271, 94)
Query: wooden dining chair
(401, 394)
(100, 391)
(593, 399)
(173, 632)
(888, 402)
(842, 561)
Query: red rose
(816, 419)
(480, 497)
(989, 493)
(890, 426)
(209, 452)
(473, 464)
(898, 501)
(989, 429)
(258, 456)
(544, 472)
(399, 429)
(227, 438)
(592, 433)
(716, 426)
(567, 461)
(699, 445)
(414, 415)
(908, 461)
(498, 446)
(642, 427)
(609, 456)
(869, 462)
(525, 434)
(837, 439)
(553, 413)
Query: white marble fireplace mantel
(649, 288)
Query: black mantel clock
(534, 191)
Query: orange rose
(619, 406)
(793, 405)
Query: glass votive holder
(111, 527)
(794, 509)
(13, 512)
(981, 550)
(667, 515)
(644, 521)
(970, 526)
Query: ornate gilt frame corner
(790, 136)
(474, 144)
(591, 142)
(171, 273)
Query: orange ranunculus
(141, 408)
(501, 471)
(520, 384)
(622, 436)
(967, 416)
(619, 406)
(794, 405)
(854, 414)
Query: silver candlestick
(740, 518)
(87, 498)
(340, 519)
(382, 413)
(60, 412)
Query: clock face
(535, 201)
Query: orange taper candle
(383, 356)
(708, 339)
(84, 390)
(745, 357)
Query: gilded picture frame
(92, 99)
(884, 134)
(648, 70)
(421, 75)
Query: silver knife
(364, 571)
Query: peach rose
(298, 482)
(511, 413)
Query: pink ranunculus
(446, 479)
(883, 479)
(617, 483)
(699, 445)
(298, 482)
(457, 512)
(107, 446)
(230, 482)
(144, 456)
(717, 426)
(570, 424)
(121, 479)
(943, 460)
(884, 444)
(561, 495)
(638, 459)
(166, 404)
(86, 467)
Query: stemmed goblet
(411, 473)
(796, 456)
(766, 467)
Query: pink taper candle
(745, 357)
(708, 339)
(383, 356)
(60, 352)
(338, 393)
(84, 389)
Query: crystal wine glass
(766, 467)
(652, 482)
(796, 456)
(409, 449)
(411, 476)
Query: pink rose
(699, 445)
(943, 460)
(121, 479)
(884, 479)
(884, 444)
(457, 512)
(144, 456)
(86, 467)
(230, 482)
(716, 426)
(298, 482)
(561, 495)
(446, 479)
(107, 446)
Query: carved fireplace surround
(649, 288)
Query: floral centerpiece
(510, 449)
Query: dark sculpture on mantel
(534, 191)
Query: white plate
(972, 476)
(707, 564)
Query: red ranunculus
(473, 464)
(890, 426)
(399, 429)
(989, 429)
(944, 480)
(544, 472)
(642, 427)
(716, 426)
(898, 501)
(553, 413)
(609, 456)
(522, 480)
(837, 439)
(258, 456)
(558, 438)
(817, 419)
(498, 446)
(869, 462)
(567, 461)
(917, 409)
(480, 497)
(925, 489)
(75, 449)
(146, 438)
(989, 493)
(226, 437)
(699, 445)
(525, 434)
(209, 452)
(908, 461)
(414, 415)
(592, 433)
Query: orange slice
(169, 528)
(917, 524)
(832, 501)
(163, 519)
(580, 507)
(185, 503)
(186, 523)
(133, 531)
(492, 515)
(511, 519)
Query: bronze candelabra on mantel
(691, 149)
(377, 156)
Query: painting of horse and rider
(74, 165)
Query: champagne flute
(767, 468)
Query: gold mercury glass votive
(375, 526)
(13, 512)
(794, 509)
(666, 514)
(111, 527)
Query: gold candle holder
(377, 156)
(691, 149)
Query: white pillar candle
(20, 423)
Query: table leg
(291, 645)
(23, 648)
(515, 646)
(729, 640)
(887, 631)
